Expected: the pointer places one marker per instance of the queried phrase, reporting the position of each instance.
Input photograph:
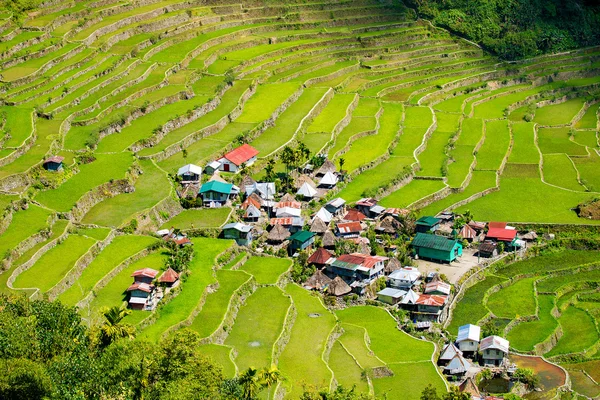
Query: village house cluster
(464, 358)
(302, 221)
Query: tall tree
(269, 377)
(113, 327)
(249, 380)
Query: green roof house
(300, 240)
(427, 224)
(215, 192)
(436, 248)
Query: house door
(226, 167)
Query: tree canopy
(516, 29)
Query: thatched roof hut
(469, 386)
(389, 225)
(328, 166)
(302, 179)
(246, 181)
(338, 287)
(318, 281)
(318, 226)
(530, 236)
(328, 240)
(363, 248)
(392, 265)
(287, 197)
(278, 234)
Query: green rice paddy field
(554, 292)
(128, 104)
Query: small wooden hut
(318, 281)
(318, 226)
(338, 287)
(278, 234)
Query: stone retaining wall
(21, 45)
(137, 113)
(38, 254)
(235, 303)
(99, 194)
(85, 302)
(179, 122)
(82, 263)
(93, 90)
(205, 132)
(34, 75)
(123, 102)
(151, 220)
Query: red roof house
(501, 234)
(245, 154)
(140, 286)
(145, 275)
(431, 300)
(290, 204)
(320, 257)
(349, 229)
(354, 215)
(250, 201)
(169, 277)
(499, 225)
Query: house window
(497, 352)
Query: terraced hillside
(546, 305)
(128, 92)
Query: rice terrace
(255, 199)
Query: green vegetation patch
(288, 122)
(179, 308)
(579, 332)
(302, 357)
(560, 171)
(151, 187)
(470, 309)
(589, 170)
(103, 169)
(495, 146)
(515, 300)
(54, 264)
(265, 101)
(199, 218)
(256, 331)
(414, 191)
(110, 257)
(524, 149)
(24, 224)
(266, 270)
(216, 305)
(589, 119)
(345, 369)
(558, 114)
(556, 140)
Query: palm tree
(270, 169)
(304, 151)
(250, 384)
(342, 161)
(269, 377)
(468, 216)
(113, 328)
(288, 157)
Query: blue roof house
(215, 192)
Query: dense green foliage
(518, 28)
